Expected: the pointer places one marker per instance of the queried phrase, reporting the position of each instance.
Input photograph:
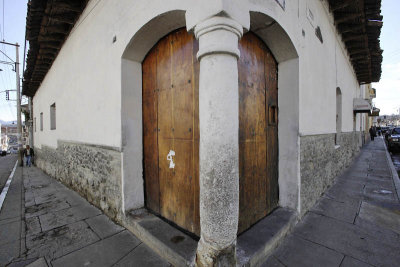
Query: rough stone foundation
(321, 160)
(92, 171)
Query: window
(41, 121)
(53, 117)
(396, 131)
(34, 122)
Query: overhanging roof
(359, 22)
(374, 112)
(48, 24)
(361, 105)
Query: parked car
(394, 139)
(387, 134)
(384, 129)
(14, 150)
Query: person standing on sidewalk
(372, 133)
(28, 153)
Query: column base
(209, 256)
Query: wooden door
(258, 131)
(171, 129)
(171, 123)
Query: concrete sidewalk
(355, 223)
(43, 223)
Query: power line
(7, 56)
(3, 22)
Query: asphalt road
(396, 160)
(6, 166)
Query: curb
(395, 176)
(7, 185)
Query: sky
(388, 88)
(13, 13)
(12, 22)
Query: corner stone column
(219, 140)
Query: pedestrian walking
(29, 154)
(372, 133)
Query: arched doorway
(171, 130)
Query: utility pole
(19, 125)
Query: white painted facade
(96, 83)
(85, 79)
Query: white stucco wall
(323, 66)
(98, 101)
(85, 79)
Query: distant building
(210, 114)
(9, 135)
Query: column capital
(218, 35)
(218, 23)
(199, 11)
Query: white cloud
(388, 89)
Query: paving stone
(351, 262)
(30, 202)
(272, 262)
(11, 206)
(380, 216)
(142, 256)
(379, 182)
(52, 196)
(55, 219)
(343, 194)
(387, 236)
(9, 251)
(32, 226)
(296, 251)
(169, 236)
(10, 232)
(41, 262)
(61, 241)
(72, 198)
(348, 239)
(379, 193)
(344, 211)
(103, 253)
(21, 262)
(9, 220)
(380, 172)
(46, 207)
(264, 235)
(103, 226)
(47, 188)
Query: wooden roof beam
(51, 37)
(54, 29)
(347, 17)
(350, 28)
(65, 18)
(341, 5)
(50, 44)
(374, 23)
(353, 37)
